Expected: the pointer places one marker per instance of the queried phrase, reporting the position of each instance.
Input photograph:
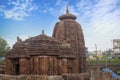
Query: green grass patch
(109, 61)
(1, 62)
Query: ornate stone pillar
(64, 65)
(23, 65)
(9, 67)
(36, 65)
(75, 66)
(50, 66)
(55, 65)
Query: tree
(3, 47)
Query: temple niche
(62, 53)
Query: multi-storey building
(116, 47)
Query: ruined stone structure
(70, 31)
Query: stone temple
(62, 53)
(70, 31)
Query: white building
(116, 47)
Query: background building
(116, 47)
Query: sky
(99, 19)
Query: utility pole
(106, 57)
(96, 51)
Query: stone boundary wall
(114, 79)
(30, 77)
(112, 67)
(93, 75)
(2, 69)
(41, 77)
(81, 76)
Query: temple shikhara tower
(70, 31)
(62, 53)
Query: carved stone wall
(41, 65)
(70, 31)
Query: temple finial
(42, 31)
(18, 39)
(67, 10)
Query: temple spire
(67, 10)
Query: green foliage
(3, 47)
(118, 72)
(103, 61)
(1, 62)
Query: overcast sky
(100, 19)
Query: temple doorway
(17, 67)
